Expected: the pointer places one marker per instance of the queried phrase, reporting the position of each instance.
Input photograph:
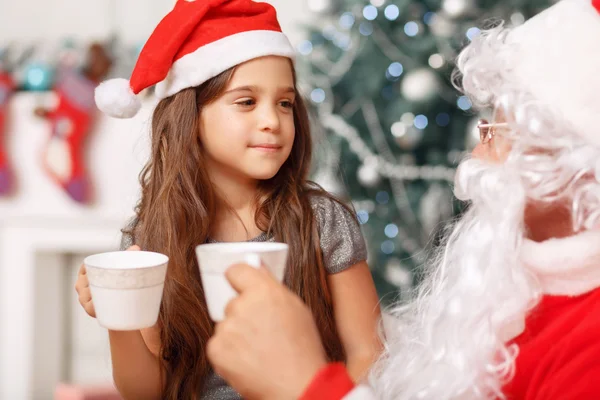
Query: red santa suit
(559, 350)
(559, 347)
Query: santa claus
(510, 307)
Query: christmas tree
(378, 74)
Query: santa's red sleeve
(331, 383)
(574, 375)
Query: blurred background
(390, 129)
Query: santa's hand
(268, 346)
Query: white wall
(133, 20)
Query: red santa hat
(556, 58)
(196, 41)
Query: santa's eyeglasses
(487, 130)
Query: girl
(229, 161)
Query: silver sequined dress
(343, 246)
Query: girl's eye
(287, 104)
(246, 103)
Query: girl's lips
(269, 148)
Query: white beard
(450, 343)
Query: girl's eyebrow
(252, 88)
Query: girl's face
(249, 130)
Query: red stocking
(70, 121)
(6, 89)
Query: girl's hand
(82, 286)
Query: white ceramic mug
(214, 259)
(126, 287)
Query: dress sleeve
(127, 236)
(342, 242)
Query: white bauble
(368, 175)
(420, 85)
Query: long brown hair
(174, 215)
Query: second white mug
(215, 258)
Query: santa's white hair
(452, 340)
